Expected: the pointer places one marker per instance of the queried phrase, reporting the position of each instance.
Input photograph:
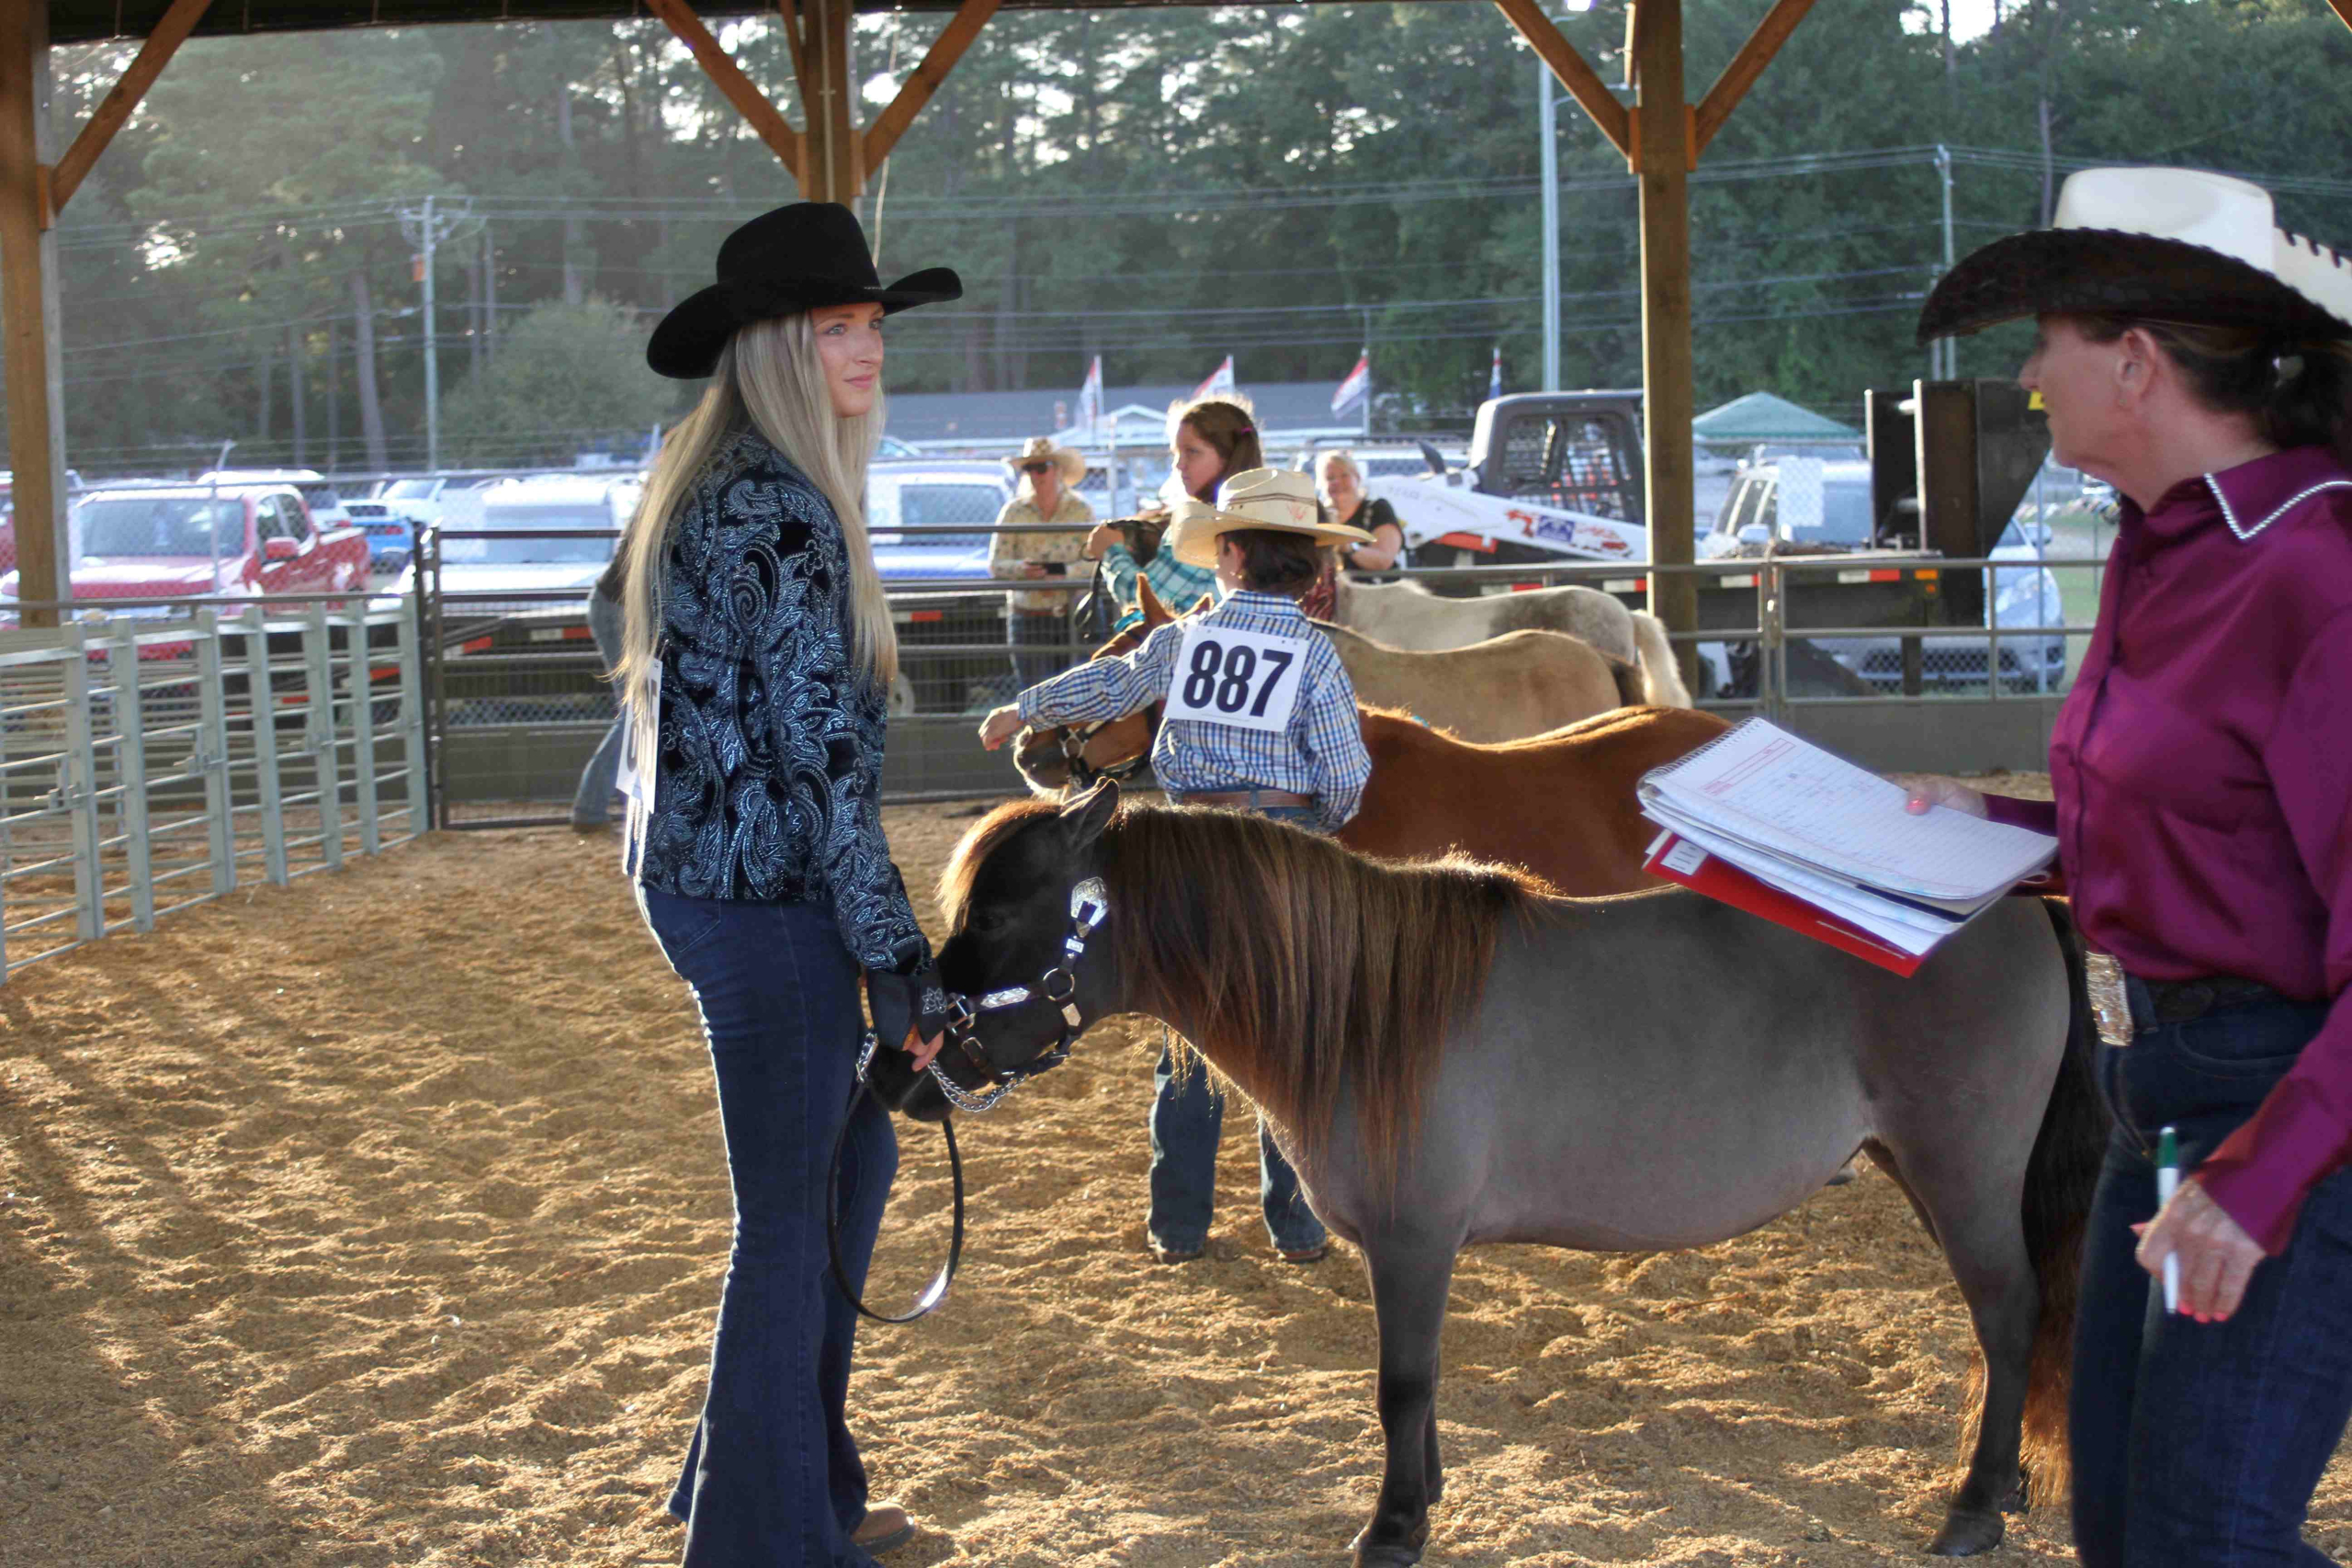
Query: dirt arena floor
(380, 1221)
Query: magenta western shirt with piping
(2203, 769)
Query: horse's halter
(1089, 907)
(1084, 772)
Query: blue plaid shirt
(1321, 754)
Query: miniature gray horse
(1453, 1055)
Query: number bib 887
(1246, 680)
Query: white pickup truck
(1557, 477)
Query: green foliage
(1161, 186)
(568, 377)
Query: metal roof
(84, 21)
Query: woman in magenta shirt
(2202, 363)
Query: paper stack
(1781, 827)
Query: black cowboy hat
(2166, 245)
(801, 257)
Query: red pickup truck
(189, 540)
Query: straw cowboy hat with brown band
(1279, 498)
(1041, 449)
(2155, 244)
(802, 257)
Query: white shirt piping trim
(2230, 516)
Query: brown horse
(1561, 804)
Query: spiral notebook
(1834, 839)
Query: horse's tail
(2059, 1180)
(1661, 671)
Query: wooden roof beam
(918, 88)
(738, 89)
(115, 110)
(1749, 64)
(1578, 77)
(2344, 9)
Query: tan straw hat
(1281, 499)
(1041, 449)
(2167, 245)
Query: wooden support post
(29, 318)
(917, 89)
(738, 89)
(115, 108)
(1749, 65)
(1578, 77)
(1662, 131)
(833, 167)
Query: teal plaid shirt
(1321, 754)
(1179, 586)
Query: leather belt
(2178, 1001)
(1247, 798)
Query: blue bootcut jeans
(772, 1477)
(2198, 1445)
(1188, 1122)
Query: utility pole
(1948, 348)
(1549, 131)
(425, 228)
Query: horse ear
(1204, 604)
(1087, 814)
(1155, 612)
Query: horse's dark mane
(1301, 968)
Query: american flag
(1357, 385)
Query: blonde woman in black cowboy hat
(2201, 361)
(1045, 490)
(758, 652)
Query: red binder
(1719, 879)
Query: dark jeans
(592, 800)
(2198, 1445)
(1049, 630)
(773, 1477)
(1188, 1122)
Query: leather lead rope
(932, 1293)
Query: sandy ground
(380, 1220)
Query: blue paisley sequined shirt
(770, 748)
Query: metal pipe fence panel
(148, 764)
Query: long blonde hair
(769, 378)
